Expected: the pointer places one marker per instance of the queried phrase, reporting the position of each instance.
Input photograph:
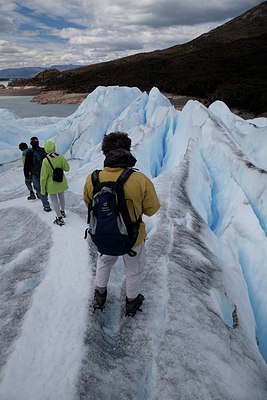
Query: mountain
(29, 72)
(26, 72)
(227, 63)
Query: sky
(83, 32)
(202, 333)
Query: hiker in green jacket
(54, 189)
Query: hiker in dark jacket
(141, 198)
(28, 182)
(32, 168)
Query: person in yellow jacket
(54, 189)
(141, 198)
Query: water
(23, 107)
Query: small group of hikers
(40, 165)
(116, 197)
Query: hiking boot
(99, 300)
(63, 214)
(32, 196)
(133, 306)
(59, 221)
(47, 208)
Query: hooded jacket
(140, 194)
(58, 161)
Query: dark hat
(23, 146)
(34, 141)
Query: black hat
(23, 146)
(34, 141)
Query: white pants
(134, 267)
(58, 201)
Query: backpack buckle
(131, 253)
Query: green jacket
(46, 181)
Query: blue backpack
(110, 226)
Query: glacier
(203, 330)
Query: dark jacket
(33, 164)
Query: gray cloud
(5, 24)
(169, 13)
(112, 28)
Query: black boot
(32, 196)
(59, 221)
(99, 300)
(133, 306)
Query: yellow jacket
(140, 195)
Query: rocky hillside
(227, 63)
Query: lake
(23, 107)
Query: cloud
(5, 23)
(96, 31)
(188, 12)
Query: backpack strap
(126, 173)
(121, 179)
(120, 182)
(50, 163)
(95, 177)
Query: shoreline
(47, 97)
(20, 91)
(62, 97)
(59, 97)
